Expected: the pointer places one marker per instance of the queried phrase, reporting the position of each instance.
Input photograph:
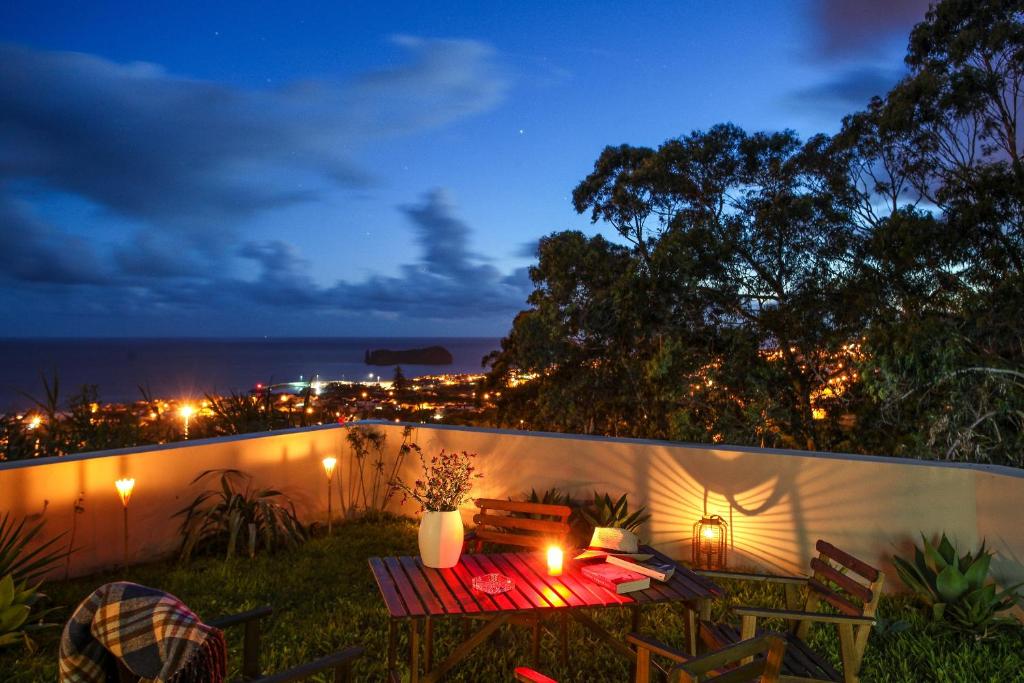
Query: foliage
(605, 513)
(325, 599)
(856, 293)
(243, 414)
(230, 515)
(954, 587)
(367, 481)
(23, 552)
(17, 602)
(446, 482)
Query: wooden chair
(849, 585)
(339, 662)
(524, 525)
(763, 660)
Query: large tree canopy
(860, 292)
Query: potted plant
(447, 480)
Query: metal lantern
(710, 539)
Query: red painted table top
(412, 590)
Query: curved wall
(778, 503)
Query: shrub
(604, 513)
(263, 515)
(954, 588)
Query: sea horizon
(190, 367)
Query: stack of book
(623, 572)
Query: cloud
(449, 281)
(850, 90)
(30, 251)
(194, 156)
(859, 26)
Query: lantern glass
(554, 561)
(710, 536)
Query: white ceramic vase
(440, 538)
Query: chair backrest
(727, 666)
(529, 525)
(850, 585)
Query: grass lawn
(325, 599)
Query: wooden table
(416, 594)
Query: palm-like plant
(954, 588)
(21, 555)
(236, 513)
(605, 513)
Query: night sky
(313, 169)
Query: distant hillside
(431, 355)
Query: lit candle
(554, 561)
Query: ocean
(190, 368)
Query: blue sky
(249, 169)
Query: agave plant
(953, 587)
(235, 513)
(21, 555)
(17, 603)
(605, 513)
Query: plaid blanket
(152, 633)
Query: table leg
(535, 644)
(464, 648)
(603, 634)
(428, 644)
(691, 630)
(392, 637)
(414, 651)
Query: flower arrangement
(446, 483)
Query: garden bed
(325, 599)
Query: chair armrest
(744, 576)
(771, 646)
(528, 675)
(230, 620)
(341, 658)
(800, 615)
(657, 647)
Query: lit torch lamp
(329, 463)
(124, 490)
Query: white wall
(778, 502)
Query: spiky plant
(605, 513)
(236, 513)
(955, 589)
(17, 621)
(23, 553)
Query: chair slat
(834, 599)
(543, 526)
(847, 560)
(858, 590)
(512, 539)
(562, 511)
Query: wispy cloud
(857, 27)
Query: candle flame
(554, 561)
